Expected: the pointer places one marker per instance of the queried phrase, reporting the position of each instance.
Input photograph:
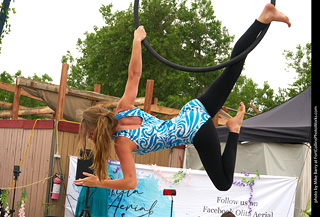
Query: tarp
(73, 107)
(289, 122)
(271, 196)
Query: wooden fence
(39, 162)
(14, 136)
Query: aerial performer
(133, 131)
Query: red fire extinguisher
(56, 188)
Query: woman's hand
(90, 181)
(140, 33)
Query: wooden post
(255, 108)
(215, 119)
(62, 92)
(97, 88)
(16, 101)
(148, 96)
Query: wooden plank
(16, 102)
(215, 119)
(223, 117)
(3, 145)
(113, 104)
(7, 105)
(44, 168)
(6, 144)
(29, 164)
(28, 111)
(255, 108)
(162, 110)
(18, 144)
(148, 96)
(235, 111)
(62, 92)
(11, 88)
(97, 88)
(64, 161)
(176, 158)
(162, 157)
(54, 204)
(24, 82)
(35, 162)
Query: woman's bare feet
(234, 124)
(270, 13)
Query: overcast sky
(43, 30)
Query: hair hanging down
(102, 123)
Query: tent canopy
(289, 122)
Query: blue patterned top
(155, 134)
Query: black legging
(221, 168)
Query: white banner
(270, 196)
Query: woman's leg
(221, 168)
(219, 90)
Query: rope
(25, 186)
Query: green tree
(300, 61)
(247, 91)
(187, 34)
(265, 98)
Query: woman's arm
(124, 150)
(129, 180)
(134, 72)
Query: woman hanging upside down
(133, 131)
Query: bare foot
(234, 124)
(270, 13)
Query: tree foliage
(185, 34)
(300, 61)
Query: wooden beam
(69, 91)
(161, 109)
(254, 108)
(97, 88)
(7, 105)
(235, 111)
(16, 102)
(11, 88)
(112, 104)
(62, 92)
(215, 119)
(29, 111)
(166, 117)
(148, 96)
(223, 117)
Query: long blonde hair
(103, 123)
